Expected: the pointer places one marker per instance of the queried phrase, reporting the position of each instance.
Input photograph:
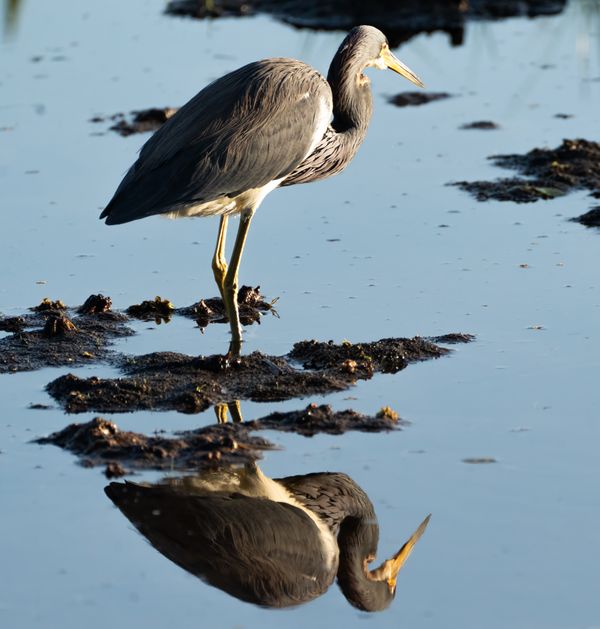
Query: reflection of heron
(270, 542)
(265, 125)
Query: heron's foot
(233, 356)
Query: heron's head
(370, 46)
(371, 590)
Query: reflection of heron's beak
(389, 569)
(397, 66)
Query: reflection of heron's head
(369, 590)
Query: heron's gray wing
(248, 128)
(331, 495)
(257, 550)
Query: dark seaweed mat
(56, 337)
(415, 99)
(251, 302)
(141, 121)
(480, 125)
(43, 337)
(589, 219)
(171, 381)
(316, 419)
(398, 20)
(102, 442)
(574, 165)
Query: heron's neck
(352, 99)
(357, 540)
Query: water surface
(385, 249)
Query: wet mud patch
(158, 310)
(53, 335)
(171, 381)
(100, 442)
(251, 302)
(589, 219)
(316, 419)
(414, 99)
(398, 20)
(545, 174)
(141, 121)
(480, 125)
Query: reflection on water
(222, 411)
(11, 15)
(400, 21)
(271, 542)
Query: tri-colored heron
(271, 123)
(271, 542)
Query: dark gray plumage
(274, 543)
(271, 123)
(243, 131)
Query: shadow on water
(400, 21)
(271, 542)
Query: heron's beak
(396, 65)
(389, 569)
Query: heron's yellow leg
(235, 411)
(231, 284)
(221, 413)
(219, 263)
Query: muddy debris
(48, 305)
(140, 121)
(414, 99)
(481, 125)
(58, 325)
(100, 442)
(315, 419)
(452, 339)
(589, 219)
(545, 174)
(385, 356)
(53, 335)
(95, 304)
(114, 470)
(172, 381)
(251, 302)
(158, 310)
(398, 20)
(479, 460)
(12, 324)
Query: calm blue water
(512, 544)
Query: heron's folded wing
(250, 127)
(260, 551)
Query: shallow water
(385, 249)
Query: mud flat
(101, 442)
(545, 174)
(53, 335)
(172, 381)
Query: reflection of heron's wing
(248, 128)
(257, 550)
(331, 495)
